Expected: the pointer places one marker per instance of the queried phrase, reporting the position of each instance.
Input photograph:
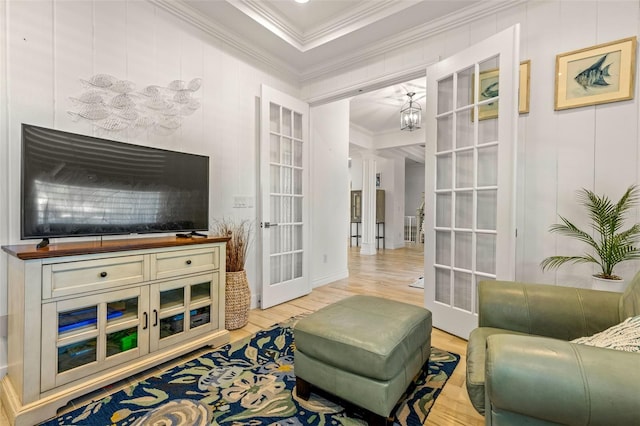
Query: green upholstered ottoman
(363, 349)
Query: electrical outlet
(242, 202)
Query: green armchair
(522, 369)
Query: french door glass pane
(488, 131)
(287, 267)
(488, 166)
(275, 269)
(297, 125)
(274, 115)
(443, 285)
(286, 180)
(489, 64)
(486, 253)
(464, 169)
(462, 290)
(465, 83)
(274, 148)
(297, 153)
(445, 133)
(297, 209)
(275, 179)
(464, 129)
(297, 237)
(445, 95)
(463, 257)
(286, 122)
(297, 272)
(287, 151)
(487, 209)
(287, 208)
(287, 244)
(297, 181)
(275, 208)
(464, 209)
(276, 240)
(443, 210)
(443, 248)
(443, 171)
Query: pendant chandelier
(410, 114)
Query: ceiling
(309, 40)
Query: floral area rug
(251, 383)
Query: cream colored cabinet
(82, 317)
(85, 335)
(183, 309)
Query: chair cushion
(364, 335)
(476, 357)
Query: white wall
(414, 188)
(559, 151)
(329, 134)
(392, 172)
(50, 46)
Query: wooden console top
(30, 251)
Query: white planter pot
(608, 285)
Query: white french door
(470, 177)
(284, 140)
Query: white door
(284, 148)
(470, 177)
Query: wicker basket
(237, 300)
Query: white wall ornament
(114, 105)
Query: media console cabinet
(84, 315)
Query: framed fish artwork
(596, 75)
(489, 89)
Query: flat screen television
(77, 185)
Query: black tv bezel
(114, 142)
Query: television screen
(76, 185)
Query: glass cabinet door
(182, 308)
(88, 334)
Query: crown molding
(358, 16)
(269, 19)
(408, 37)
(183, 11)
(210, 27)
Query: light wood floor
(386, 274)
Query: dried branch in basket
(238, 245)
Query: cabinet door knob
(146, 320)
(103, 274)
(155, 315)
(189, 262)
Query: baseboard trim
(318, 282)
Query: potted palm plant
(610, 243)
(237, 291)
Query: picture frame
(489, 78)
(596, 75)
(488, 89)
